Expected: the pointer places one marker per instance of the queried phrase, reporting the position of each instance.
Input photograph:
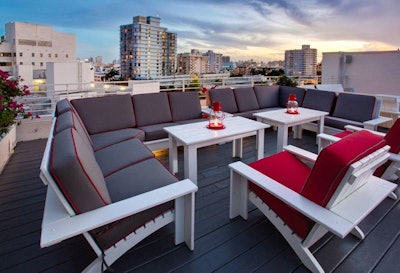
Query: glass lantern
(216, 117)
(292, 105)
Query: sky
(257, 29)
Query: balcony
(221, 244)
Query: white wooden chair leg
(358, 233)
(238, 196)
(184, 220)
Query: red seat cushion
(286, 169)
(343, 134)
(334, 161)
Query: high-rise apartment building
(301, 62)
(215, 60)
(147, 50)
(193, 62)
(26, 48)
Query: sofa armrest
(58, 225)
(373, 123)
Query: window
(41, 55)
(21, 63)
(33, 54)
(20, 54)
(41, 63)
(56, 55)
(66, 56)
(33, 63)
(49, 55)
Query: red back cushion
(393, 137)
(334, 161)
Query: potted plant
(10, 111)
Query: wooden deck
(221, 244)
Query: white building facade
(147, 50)
(27, 48)
(215, 60)
(370, 72)
(301, 62)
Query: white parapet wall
(144, 87)
(31, 129)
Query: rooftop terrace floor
(221, 244)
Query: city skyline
(259, 30)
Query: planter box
(7, 145)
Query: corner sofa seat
(343, 108)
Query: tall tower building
(215, 60)
(147, 50)
(301, 62)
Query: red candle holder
(216, 117)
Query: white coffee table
(283, 121)
(196, 135)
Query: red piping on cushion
(128, 165)
(122, 140)
(61, 185)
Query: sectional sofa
(343, 108)
(113, 189)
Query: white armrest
(394, 157)
(58, 225)
(332, 221)
(306, 155)
(356, 129)
(371, 124)
(327, 137)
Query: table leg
(320, 130)
(260, 144)
(173, 154)
(237, 147)
(282, 138)
(190, 162)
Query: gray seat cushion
(226, 97)
(105, 139)
(184, 105)
(121, 155)
(267, 96)
(354, 107)
(139, 178)
(246, 99)
(74, 168)
(339, 123)
(108, 113)
(285, 91)
(156, 131)
(319, 100)
(151, 108)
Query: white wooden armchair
(391, 169)
(305, 203)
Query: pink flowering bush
(10, 109)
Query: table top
(198, 132)
(276, 117)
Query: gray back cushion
(246, 99)
(74, 168)
(285, 91)
(108, 113)
(319, 100)
(226, 97)
(184, 105)
(354, 107)
(151, 108)
(63, 106)
(69, 120)
(267, 96)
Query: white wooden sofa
(305, 203)
(115, 196)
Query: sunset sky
(255, 29)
